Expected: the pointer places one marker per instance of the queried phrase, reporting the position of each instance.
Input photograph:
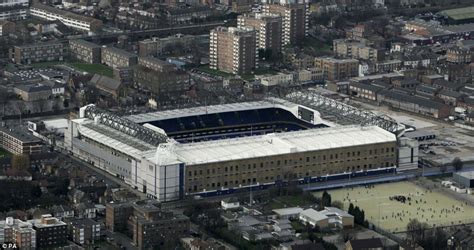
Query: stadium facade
(225, 148)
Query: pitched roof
(105, 83)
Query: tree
(457, 164)
(416, 230)
(325, 200)
(337, 204)
(20, 162)
(351, 209)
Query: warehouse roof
(460, 13)
(281, 143)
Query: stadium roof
(279, 144)
(176, 113)
(460, 13)
(113, 138)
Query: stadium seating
(232, 124)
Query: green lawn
(93, 68)
(426, 205)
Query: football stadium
(223, 149)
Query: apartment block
(85, 51)
(69, 19)
(38, 52)
(147, 224)
(118, 58)
(18, 232)
(268, 29)
(50, 232)
(337, 69)
(233, 50)
(356, 50)
(156, 64)
(295, 20)
(18, 141)
(157, 46)
(84, 231)
(13, 9)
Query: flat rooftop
(276, 144)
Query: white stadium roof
(176, 113)
(278, 144)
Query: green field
(426, 205)
(93, 68)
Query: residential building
(118, 58)
(147, 224)
(70, 19)
(337, 69)
(116, 216)
(156, 64)
(19, 141)
(18, 232)
(295, 20)
(168, 80)
(62, 212)
(233, 50)
(50, 232)
(107, 85)
(459, 55)
(85, 51)
(280, 79)
(14, 9)
(356, 50)
(84, 231)
(38, 52)
(33, 92)
(6, 27)
(268, 29)
(151, 227)
(158, 46)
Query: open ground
(426, 205)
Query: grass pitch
(428, 206)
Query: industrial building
(464, 179)
(226, 148)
